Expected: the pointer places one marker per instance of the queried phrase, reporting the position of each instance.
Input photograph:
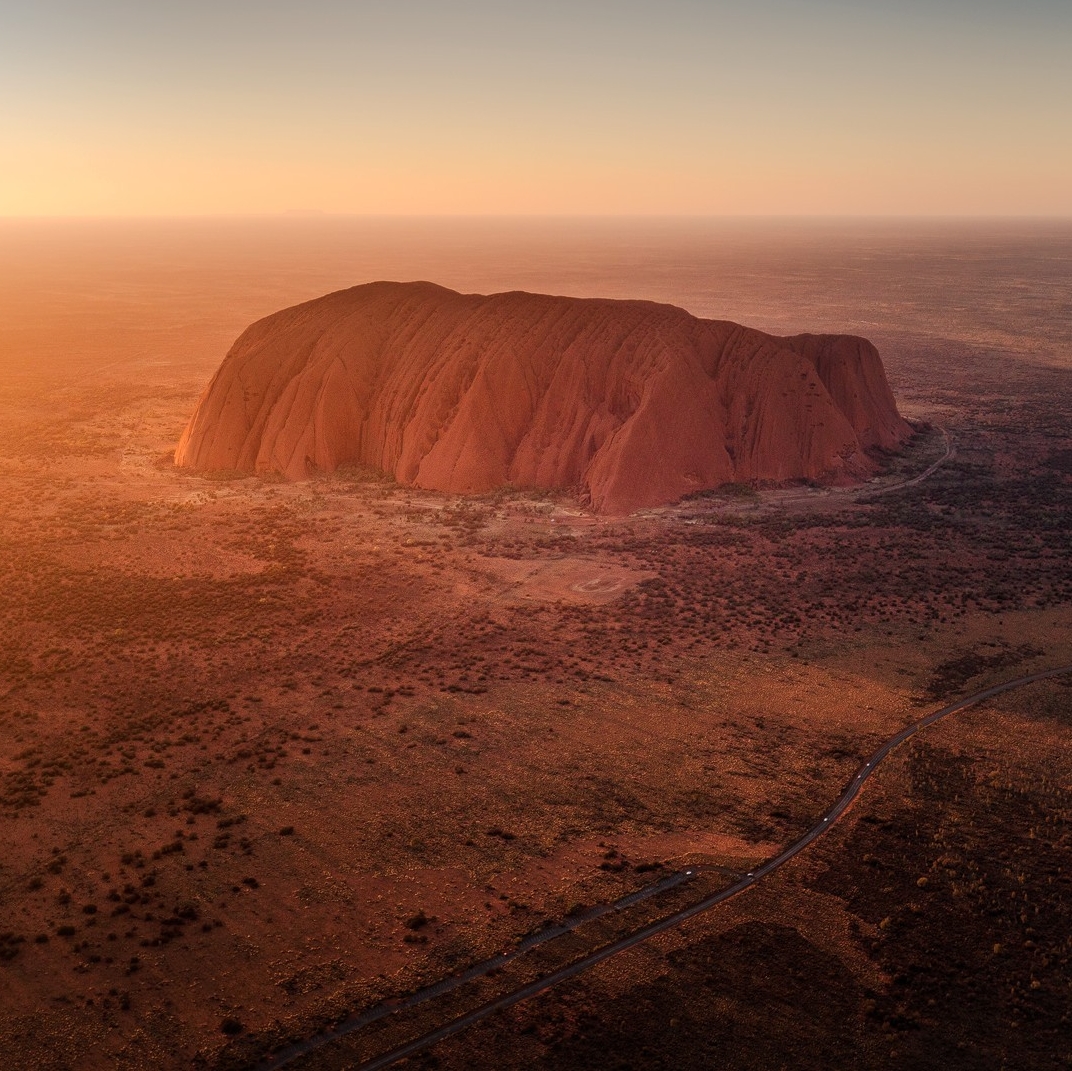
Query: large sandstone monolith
(630, 403)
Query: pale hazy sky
(638, 106)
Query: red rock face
(631, 403)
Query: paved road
(852, 790)
(950, 450)
(867, 491)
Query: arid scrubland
(271, 752)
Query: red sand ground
(477, 709)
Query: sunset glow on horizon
(786, 108)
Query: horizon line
(299, 215)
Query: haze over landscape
(535, 536)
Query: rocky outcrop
(630, 403)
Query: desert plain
(274, 751)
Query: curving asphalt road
(950, 450)
(865, 492)
(868, 491)
(852, 790)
